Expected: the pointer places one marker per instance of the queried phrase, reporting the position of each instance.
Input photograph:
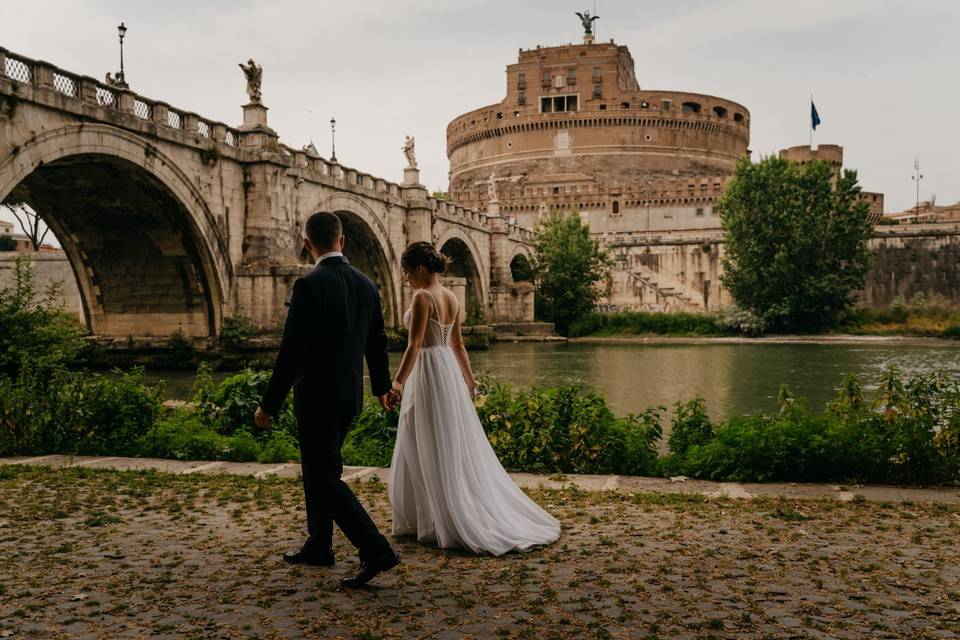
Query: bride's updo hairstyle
(423, 254)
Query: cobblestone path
(133, 554)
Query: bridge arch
(146, 251)
(466, 263)
(369, 249)
(521, 266)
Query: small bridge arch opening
(463, 264)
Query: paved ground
(88, 552)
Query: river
(732, 378)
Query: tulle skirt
(446, 484)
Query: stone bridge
(173, 222)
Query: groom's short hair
(324, 229)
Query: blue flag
(814, 116)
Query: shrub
(639, 322)
(35, 328)
(228, 407)
(64, 412)
(236, 330)
(7, 243)
(183, 436)
(371, 438)
(567, 429)
(691, 426)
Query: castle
(576, 130)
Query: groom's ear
(342, 242)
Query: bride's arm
(419, 317)
(460, 352)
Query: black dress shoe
(310, 557)
(370, 569)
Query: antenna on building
(917, 177)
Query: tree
(567, 263)
(795, 242)
(7, 243)
(31, 224)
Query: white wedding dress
(446, 484)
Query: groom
(333, 321)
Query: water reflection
(733, 379)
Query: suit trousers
(328, 498)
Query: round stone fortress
(576, 129)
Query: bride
(446, 483)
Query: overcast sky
(885, 75)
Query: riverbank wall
(682, 271)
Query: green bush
(228, 407)
(909, 434)
(183, 436)
(641, 322)
(568, 429)
(236, 330)
(371, 438)
(34, 328)
(7, 243)
(76, 413)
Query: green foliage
(76, 413)
(910, 434)
(236, 330)
(641, 322)
(690, 427)
(796, 242)
(7, 243)
(181, 346)
(567, 263)
(183, 436)
(33, 328)
(228, 407)
(568, 429)
(371, 438)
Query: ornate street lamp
(333, 140)
(122, 78)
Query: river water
(732, 378)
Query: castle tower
(575, 129)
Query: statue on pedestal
(492, 188)
(408, 151)
(587, 21)
(254, 74)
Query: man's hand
(386, 402)
(262, 419)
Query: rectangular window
(558, 104)
(546, 79)
(597, 75)
(522, 98)
(571, 76)
(522, 81)
(699, 212)
(666, 105)
(597, 91)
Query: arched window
(738, 117)
(691, 107)
(720, 112)
(616, 207)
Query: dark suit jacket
(334, 320)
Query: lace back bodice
(437, 334)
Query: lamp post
(917, 177)
(122, 79)
(333, 140)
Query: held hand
(262, 419)
(385, 401)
